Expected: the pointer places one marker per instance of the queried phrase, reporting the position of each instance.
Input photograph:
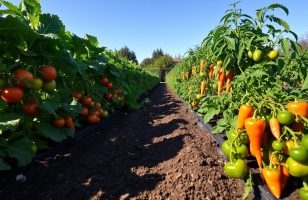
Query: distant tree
(157, 53)
(130, 55)
(304, 42)
(163, 62)
(146, 62)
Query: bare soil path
(158, 152)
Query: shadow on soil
(108, 164)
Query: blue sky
(145, 25)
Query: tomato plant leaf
(47, 106)
(31, 10)
(281, 22)
(55, 134)
(210, 114)
(92, 39)
(277, 5)
(21, 150)
(3, 165)
(12, 9)
(218, 129)
(305, 85)
(9, 121)
(50, 24)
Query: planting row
(52, 81)
(250, 76)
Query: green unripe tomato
(297, 169)
(285, 117)
(273, 54)
(304, 141)
(278, 145)
(257, 55)
(50, 86)
(299, 154)
(238, 169)
(303, 193)
(37, 83)
(250, 54)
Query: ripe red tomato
(109, 85)
(12, 95)
(59, 122)
(117, 92)
(84, 111)
(98, 105)
(78, 96)
(69, 122)
(104, 80)
(87, 101)
(108, 96)
(93, 118)
(31, 107)
(20, 75)
(48, 73)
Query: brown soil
(156, 153)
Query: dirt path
(155, 153)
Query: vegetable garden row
(52, 81)
(249, 75)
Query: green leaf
(50, 24)
(222, 122)
(277, 5)
(230, 43)
(281, 22)
(15, 28)
(55, 134)
(49, 107)
(31, 9)
(21, 150)
(305, 85)
(260, 14)
(14, 10)
(294, 35)
(3, 165)
(9, 121)
(218, 129)
(210, 114)
(285, 46)
(92, 39)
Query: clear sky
(145, 25)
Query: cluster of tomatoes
(117, 93)
(258, 55)
(91, 111)
(13, 88)
(278, 141)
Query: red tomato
(78, 96)
(117, 92)
(87, 101)
(70, 123)
(104, 81)
(20, 75)
(12, 95)
(98, 105)
(59, 122)
(84, 111)
(31, 107)
(108, 96)
(48, 73)
(109, 85)
(93, 118)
